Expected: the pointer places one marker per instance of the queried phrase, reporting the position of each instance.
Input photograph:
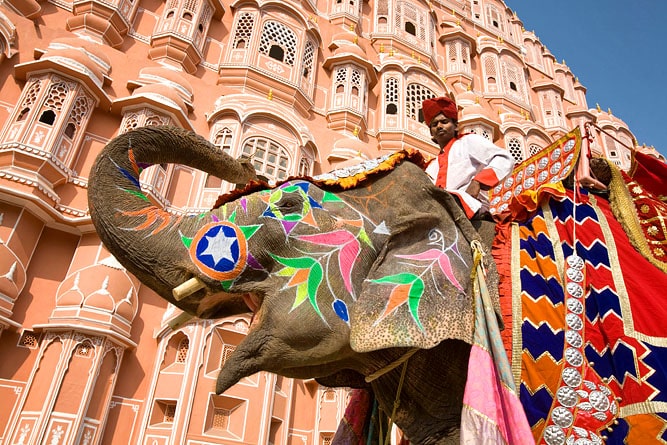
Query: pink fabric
(492, 412)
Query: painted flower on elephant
(409, 287)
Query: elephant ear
(419, 291)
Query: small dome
(466, 98)
(162, 93)
(348, 151)
(346, 43)
(102, 287)
(474, 110)
(165, 76)
(78, 54)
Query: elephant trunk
(145, 238)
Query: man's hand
(474, 188)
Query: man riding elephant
(468, 164)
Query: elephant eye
(290, 203)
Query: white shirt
(469, 157)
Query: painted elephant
(343, 279)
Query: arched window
(391, 96)
(458, 55)
(243, 32)
(279, 42)
(277, 53)
(223, 140)
(268, 157)
(48, 117)
(308, 59)
(515, 147)
(415, 95)
(182, 350)
(534, 149)
(69, 130)
(490, 73)
(514, 81)
(304, 167)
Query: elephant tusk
(188, 288)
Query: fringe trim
(338, 184)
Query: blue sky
(617, 49)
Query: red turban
(432, 107)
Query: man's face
(443, 129)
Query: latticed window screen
(491, 74)
(457, 56)
(182, 352)
(190, 6)
(494, 18)
(143, 118)
(275, 33)
(534, 149)
(226, 352)
(515, 148)
(57, 96)
(220, 418)
(341, 76)
(223, 140)
(79, 110)
(28, 340)
(478, 130)
(514, 81)
(415, 95)
(408, 13)
(383, 8)
(391, 95)
(327, 439)
(243, 30)
(156, 120)
(169, 412)
(29, 101)
(308, 58)
(356, 81)
(268, 157)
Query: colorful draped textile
(639, 202)
(591, 366)
(492, 413)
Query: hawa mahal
(90, 356)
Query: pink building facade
(90, 356)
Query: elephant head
(342, 281)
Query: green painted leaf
(414, 297)
(314, 281)
(401, 278)
(300, 263)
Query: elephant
(345, 279)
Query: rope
(391, 366)
(396, 401)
